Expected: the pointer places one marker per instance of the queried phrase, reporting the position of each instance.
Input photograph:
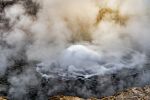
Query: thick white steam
(74, 38)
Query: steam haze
(61, 43)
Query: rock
(65, 98)
(3, 98)
(135, 93)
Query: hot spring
(85, 48)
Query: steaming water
(73, 42)
(78, 60)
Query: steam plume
(86, 40)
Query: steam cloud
(73, 40)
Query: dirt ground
(135, 93)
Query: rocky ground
(3, 98)
(135, 93)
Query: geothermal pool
(85, 48)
